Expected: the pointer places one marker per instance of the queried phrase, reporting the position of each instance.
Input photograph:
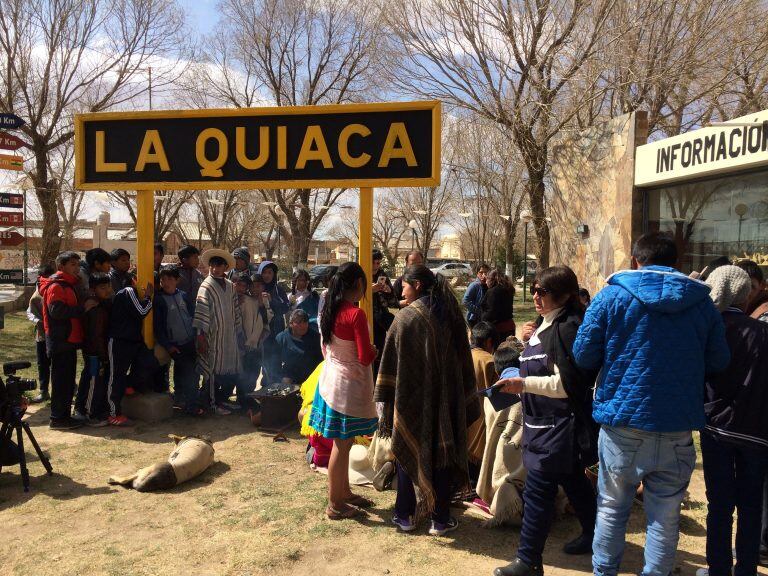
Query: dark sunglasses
(539, 290)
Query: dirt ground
(258, 510)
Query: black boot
(518, 568)
(580, 545)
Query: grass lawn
(258, 510)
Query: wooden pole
(145, 251)
(365, 252)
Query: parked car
(321, 274)
(454, 270)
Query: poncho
(217, 315)
(427, 383)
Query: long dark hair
(561, 282)
(441, 300)
(300, 274)
(346, 278)
(498, 278)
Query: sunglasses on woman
(539, 290)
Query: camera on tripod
(14, 386)
(13, 406)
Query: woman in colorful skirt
(343, 406)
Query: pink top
(346, 380)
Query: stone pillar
(596, 211)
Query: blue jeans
(663, 462)
(734, 477)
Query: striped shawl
(427, 384)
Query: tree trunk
(509, 251)
(46, 197)
(536, 191)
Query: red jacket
(61, 312)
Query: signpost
(11, 276)
(338, 146)
(10, 238)
(11, 218)
(8, 200)
(16, 163)
(11, 162)
(11, 121)
(11, 142)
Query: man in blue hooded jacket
(654, 333)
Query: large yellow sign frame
(152, 152)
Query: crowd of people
(222, 333)
(597, 397)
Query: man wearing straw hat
(219, 331)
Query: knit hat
(730, 286)
(242, 253)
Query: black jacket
(96, 329)
(578, 383)
(496, 305)
(736, 400)
(128, 311)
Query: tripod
(12, 421)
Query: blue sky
(202, 14)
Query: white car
(453, 270)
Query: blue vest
(548, 423)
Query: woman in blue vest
(559, 435)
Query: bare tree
(507, 61)
(77, 55)
(746, 61)
(167, 208)
(298, 213)
(426, 207)
(69, 202)
(291, 53)
(675, 59)
(215, 209)
(251, 224)
(389, 226)
(489, 191)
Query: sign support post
(145, 241)
(365, 251)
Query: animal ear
(176, 439)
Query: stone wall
(593, 186)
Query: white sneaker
(439, 529)
(702, 572)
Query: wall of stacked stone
(593, 187)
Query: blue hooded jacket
(654, 333)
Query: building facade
(708, 188)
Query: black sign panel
(353, 145)
(14, 200)
(11, 276)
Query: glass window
(721, 217)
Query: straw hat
(208, 254)
(360, 469)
